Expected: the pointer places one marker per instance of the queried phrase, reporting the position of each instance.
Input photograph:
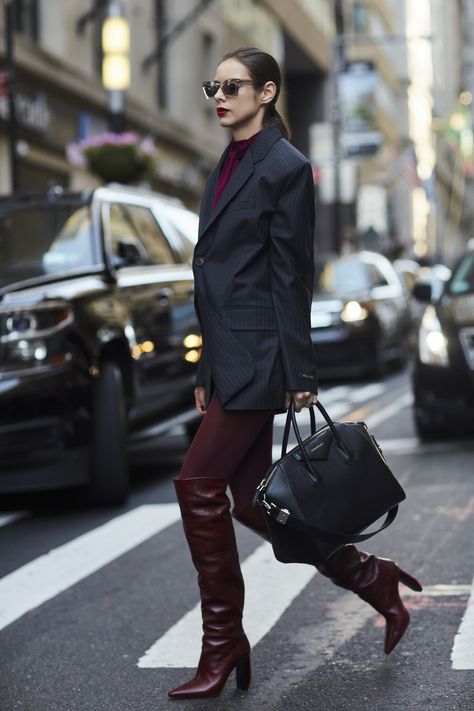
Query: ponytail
(273, 118)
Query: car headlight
(32, 336)
(353, 311)
(432, 343)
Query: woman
(253, 268)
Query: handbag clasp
(282, 516)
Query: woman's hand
(200, 399)
(301, 399)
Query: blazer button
(199, 261)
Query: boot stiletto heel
(243, 673)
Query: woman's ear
(268, 92)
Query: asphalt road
(92, 601)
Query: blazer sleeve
(292, 273)
(200, 380)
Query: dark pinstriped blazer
(253, 268)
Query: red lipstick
(222, 112)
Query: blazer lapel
(256, 152)
(238, 179)
(209, 192)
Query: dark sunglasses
(230, 87)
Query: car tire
(109, 467)
(379, 363)
(426, 430)
(401, 360)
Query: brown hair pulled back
(262, 67)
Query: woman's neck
(241, 133)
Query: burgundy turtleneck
(234, 156)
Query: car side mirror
(130, 253)
(422, 292)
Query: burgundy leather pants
(235, 445)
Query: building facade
(60, 98)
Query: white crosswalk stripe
(462, 654)
(270, 587)
(45, 577)
(6, 519)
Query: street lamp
(116, 62)
(10, 74)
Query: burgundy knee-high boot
(210, 535)
(374, 580)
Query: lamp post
(10, 74)
(116, 62)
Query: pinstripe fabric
(253, 267)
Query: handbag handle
(288, 421)
(291, 418)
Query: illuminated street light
(116, 62)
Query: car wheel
(110, 475)
(401, 360)
(427, 430)
(379, 363)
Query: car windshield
(186, 225)
(340, 277)
(39, 240)
(463, 278)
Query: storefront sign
(357, 88)
(32, 109)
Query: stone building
(60, 98)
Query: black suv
(98, 336)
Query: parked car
(443, 374)
(98, 335)
(360, 319)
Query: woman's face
(246, 109)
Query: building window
(360, 17)
(208, 67)
(26, 17)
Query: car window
(375, 275)
(463, 278)
(340, 276)
(135, 225)
(185, 223)
(43, 239)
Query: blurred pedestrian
(253, 268)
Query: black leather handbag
(327, 490)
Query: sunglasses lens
(230, 88)
(210, 89)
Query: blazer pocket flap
(241, 205)
(249, 319)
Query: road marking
(440, 590)
(376, 417)
(412, 445)
(43, 578)
(462, 653)
(368, 392)
(372, 419)
(5, 519)
(270, 588)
